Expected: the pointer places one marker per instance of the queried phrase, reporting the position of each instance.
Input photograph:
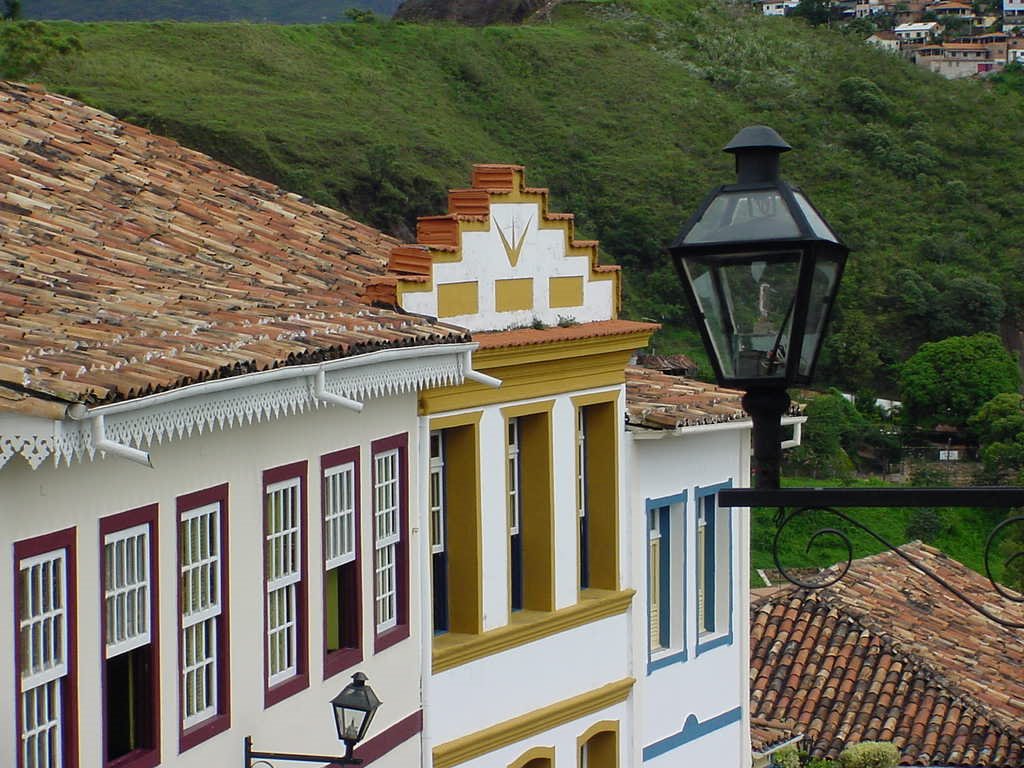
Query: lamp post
(353, 709)
(761, 269)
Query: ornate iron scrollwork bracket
(794, 503)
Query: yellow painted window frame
(602, 481)
(535, 757)
(464, 518)
(537, 502)
(602, 743)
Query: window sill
(453, 649)
(200, 732)
(665, 657)
(284, 689)
(340, 660)
(390, 637)
(712, 640)
(139, 758)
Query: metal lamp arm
(252, 755)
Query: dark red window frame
(39, 545)
(343, 658)
(399, 632)
(300, 681)
(139, 758)
(220, 722)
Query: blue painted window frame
(708, 496)
(664, 504)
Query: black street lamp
(353, 708)
(761, 269)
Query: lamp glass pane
(818, 225)
(350, 722)
(747, 304)
(822, 291)
(743, 216)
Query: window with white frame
(581, 497)
(656, 578)
(438, 532)
(130, 681)
(340, 505)
(666, 587)
(201, 612)
(283, 548)
(340, 514)
(515, 518)
(387, 534)
(713, 572)
(126, 589)
(42, 657)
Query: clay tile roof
(522, 337)
(886, 655)
(130, 264)
(656, 400)
(768, 735)
(681, 365)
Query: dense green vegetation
(959, 532)
(620, 108)
(291, 12)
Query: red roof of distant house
(886, 655)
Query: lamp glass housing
(761, 268)
(354, 709)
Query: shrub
(869, 754)
(863, 96)
(786, 757)
(925, 523)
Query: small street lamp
(353, 708)
(761, 269)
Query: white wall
(542, 256)
(714, 683)
(49, 499)
(495, 688)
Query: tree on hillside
(999, 425)
(947, 381)
(12, 10)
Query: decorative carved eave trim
(259, 399)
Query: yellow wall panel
(565, 292)
(511, 295)
(458, 299)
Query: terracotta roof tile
(893, 659)
(131, 264)
(521, 337)
(657, 400)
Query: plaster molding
(64, 441)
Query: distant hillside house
(885, 39)
(778, 8)
(1013, 14)
(955, 60)
(949, 8)
(869, 8)
(917, 32)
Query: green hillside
(621, 109)
(293, 12)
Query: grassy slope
(620, 109)
(962, 535)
